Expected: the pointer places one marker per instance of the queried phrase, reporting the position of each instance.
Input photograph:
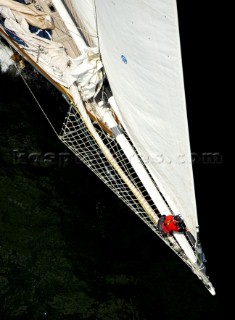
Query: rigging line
(98, 38)
(82, 28)
(30, 90)
(79, 28)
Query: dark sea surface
(69, 248)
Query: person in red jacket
(168, 224)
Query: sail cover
(140, 48)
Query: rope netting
(77, 138)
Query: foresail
(140, 48)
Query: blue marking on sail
(124, 59)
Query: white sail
(140, 47)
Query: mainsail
(127, 118)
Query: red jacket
(169, 224)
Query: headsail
(140, 50)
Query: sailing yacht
(119, 66)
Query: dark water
(69, 249)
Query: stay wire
(33, 95)
(30, 90)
